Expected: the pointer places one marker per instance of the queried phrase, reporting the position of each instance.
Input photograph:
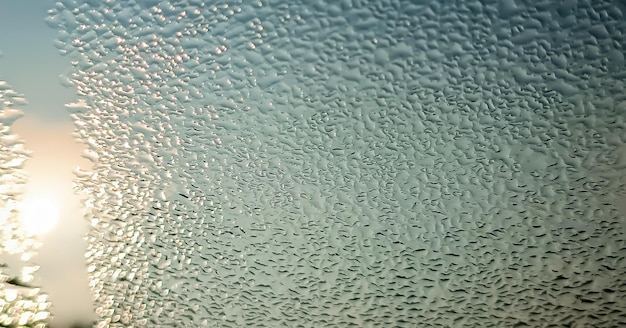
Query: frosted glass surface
(352, 163)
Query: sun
(39, 213)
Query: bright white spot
(10, 295)
(39, 213)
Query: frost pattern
(22, 304)
(352, 163)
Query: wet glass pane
(351, 163)
(21, 300)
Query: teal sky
(30, 63)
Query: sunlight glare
(39, 213)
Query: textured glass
(352, 163)
(22, 304)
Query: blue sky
(30, 62)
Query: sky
(31, 64)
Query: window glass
(351, 163)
